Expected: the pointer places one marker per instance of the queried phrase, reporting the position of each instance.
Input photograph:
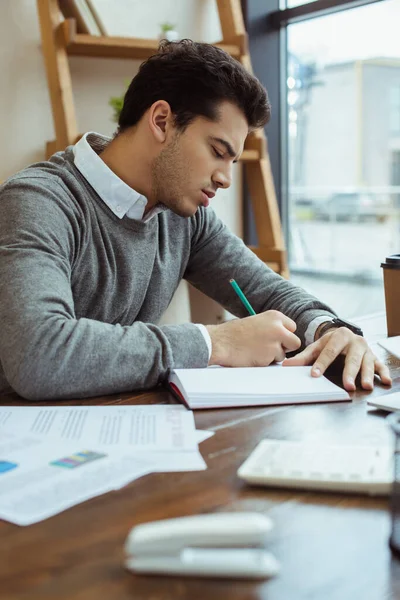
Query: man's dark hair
(194, 78)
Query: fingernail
(316, 371)
(350, 382)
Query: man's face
(189, 171)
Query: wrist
(336, 323)
(323, 328)
(216, 352)
(220, 344)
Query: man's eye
(218, 154)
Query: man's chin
(187, 214)
(185, 209)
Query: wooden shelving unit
(60, 40)
(79, 44)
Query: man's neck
(132, 166)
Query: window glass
(343, 115)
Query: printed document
(149, 427)
(52, 458)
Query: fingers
(369, 366)
(306, 357)
(290, 341)
(383, 372)
(336, 343)
(280, 355)
(357, 356)
(288, 323)
(367, 371)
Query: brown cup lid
(392, 262)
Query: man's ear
(160, 120)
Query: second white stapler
(215, 545)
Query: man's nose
(223, 178)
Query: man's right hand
(255, 341)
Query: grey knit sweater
(81, 291)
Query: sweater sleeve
(46, 352)
(218, 256)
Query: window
(329, 67)
(343, 207)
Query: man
(94, 242)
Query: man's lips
(207, 195)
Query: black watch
(336, 322)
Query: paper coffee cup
(391, 279)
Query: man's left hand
(359, 358)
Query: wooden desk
(331, 546)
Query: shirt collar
(116, 194)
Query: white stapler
(215, 545)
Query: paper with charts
(52, 458)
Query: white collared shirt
(120, 198)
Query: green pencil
(242, 297)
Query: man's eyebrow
(227, 146)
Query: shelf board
(250, 156)
(111, 47)
(80, 44)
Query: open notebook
(216, 387)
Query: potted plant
(168, 32)
(116, 103)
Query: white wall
(25, 113)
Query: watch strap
(336, 323)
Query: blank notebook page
(269, 382)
